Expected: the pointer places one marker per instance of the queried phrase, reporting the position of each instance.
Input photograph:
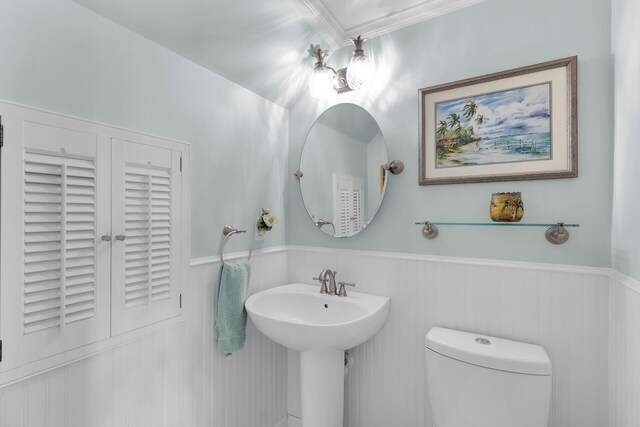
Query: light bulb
(321, 82)
(358, 71)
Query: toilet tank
(480, 381)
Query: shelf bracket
(430, 231)
(558, 234)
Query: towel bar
(229, 231)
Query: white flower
(269, 219)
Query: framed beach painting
(514, 125)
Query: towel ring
(229, 231)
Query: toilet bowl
(480, 381)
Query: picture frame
(514, 125)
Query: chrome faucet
(330, 276)
(323, 277)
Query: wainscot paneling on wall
(168, 379)
(563, 309)
(624, 313)
(624, 351)
(587, 322)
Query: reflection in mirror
(342, 162)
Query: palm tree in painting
(441, 131)
(479, 120)
(470, 109)
(457, 130)
(454, 120)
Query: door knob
(106, 237)
(120, 237)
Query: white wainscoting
(172, 378)
(562, 308)
(588, 320)
(293, 421)
(624, 356)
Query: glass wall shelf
(556, 233)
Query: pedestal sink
(321, 328)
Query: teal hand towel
(231, 316)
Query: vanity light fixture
(359, 68)
(355, 75)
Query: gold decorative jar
(506, 207)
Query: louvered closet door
(342, 209)
(55, 268)
(348, 204)
(146, 225)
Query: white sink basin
(299, 317)
(321, 328)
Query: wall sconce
(352, 77)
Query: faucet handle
(342, 292)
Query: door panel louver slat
(348, 204)
(59, 239)
(148, 224)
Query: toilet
(480, 381)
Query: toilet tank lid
(489, 352)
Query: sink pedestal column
(322, 387)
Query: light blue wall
(67, 59)
(376, 156)
(59, 56)
(493, 36)
(626, 205)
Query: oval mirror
(343, 177)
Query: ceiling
(262, 44)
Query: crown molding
(322, 20)
(320, 17)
